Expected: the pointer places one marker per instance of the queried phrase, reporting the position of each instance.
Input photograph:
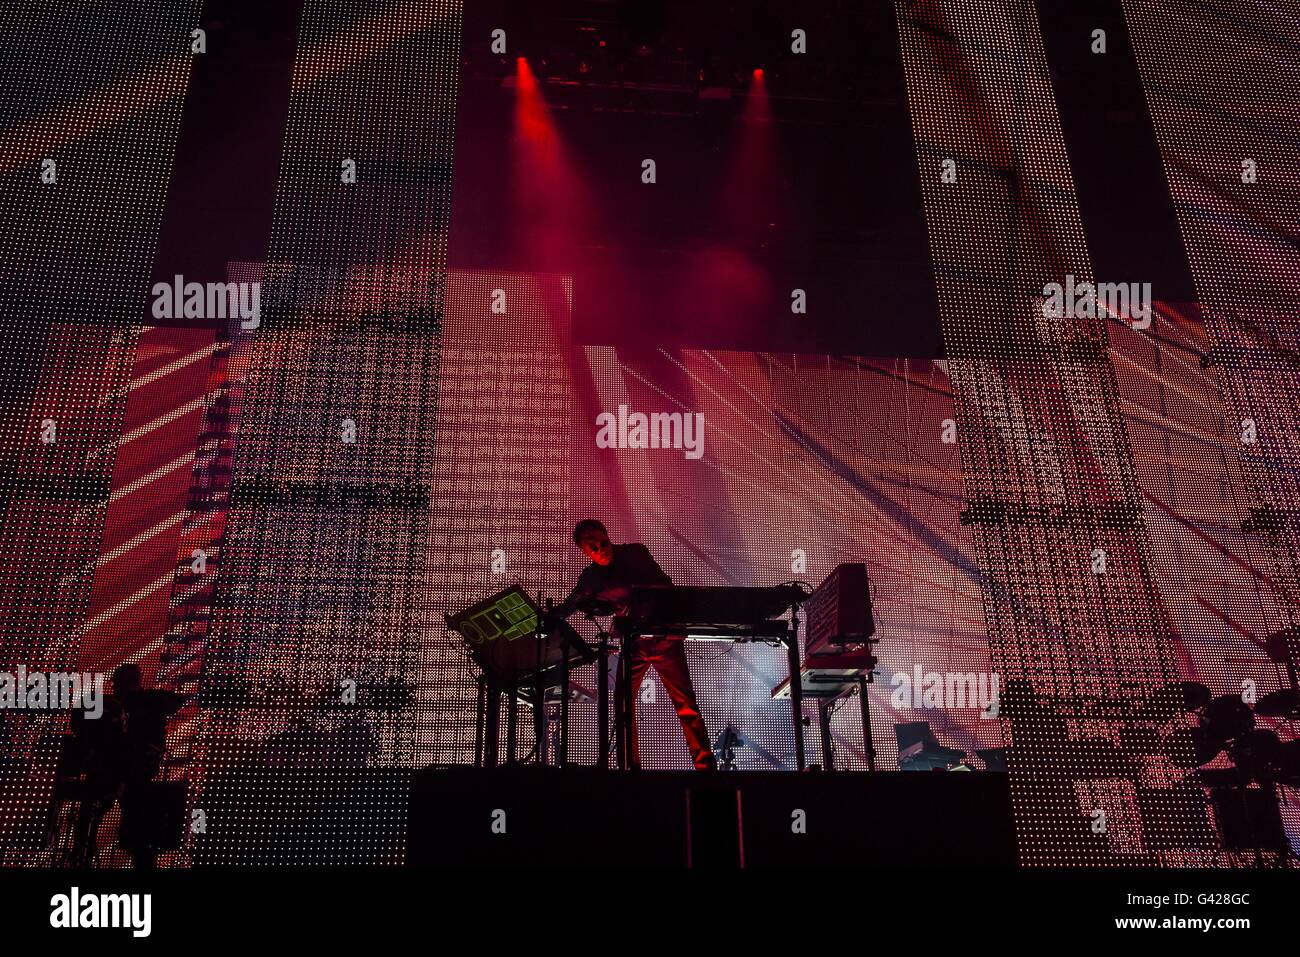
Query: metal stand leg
(622, 686)
(539, 718)
(824, 719)
(480, 717)
(624, 717)
(796, 700)
(562, 754)
(492, 726)
(512, 722)
(602, 702)
(867, 740)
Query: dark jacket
(633, 566)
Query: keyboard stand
(779, 631)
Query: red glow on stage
(532, 121)
(758, 107)
(547, 198)
(751, 191)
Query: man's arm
(166, 702)
(648, 571)
(581, 594)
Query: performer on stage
(121, 752)
(614, 571)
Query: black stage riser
(581, 817)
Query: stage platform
(531, 816)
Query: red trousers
(668, 656)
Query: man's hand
(561, 611)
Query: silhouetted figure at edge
(121, 752)
(614, 571)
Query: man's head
(591, 537)
(126, 679)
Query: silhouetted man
(123, 751)
(614, 571)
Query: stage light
(548, 200)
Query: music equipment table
(831, 678)
(525, 658)
(528, 654)
(702, 613)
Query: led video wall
(277, 516)
(307, 658)
(1105, 481)
(89, 115)
(805, 462)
